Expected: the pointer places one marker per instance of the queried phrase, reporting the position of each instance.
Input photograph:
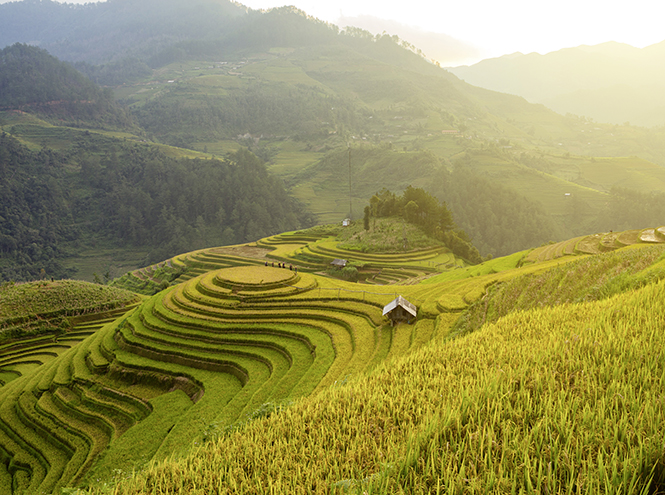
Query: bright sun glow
(498, 28)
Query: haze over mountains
(205, 79)
(182, 149)
(610, 82)
(438, 47)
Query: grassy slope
(247, 316)
(557, 397)
(36, 134)
(605, 173)
(535, 184)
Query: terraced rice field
(309, 252)
(464, 415)
(203, 357)
(192, 361)
(22, 357)
(596, 244)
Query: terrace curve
(218, 346)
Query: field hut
(338, 263)
(400, 310)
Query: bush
(350, 273)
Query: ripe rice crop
(566, 399)
(297, 383)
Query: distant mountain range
(104, 31)
(610, 82)
(209, 78)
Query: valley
(249, 251)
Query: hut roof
(400, 301)
(339, 262)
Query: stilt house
(400, 310)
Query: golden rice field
(565, 399)
(311, 251)
(191, 362)
(244, 377)
(597, 243)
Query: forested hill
(130, 196)
(103, 31)
(34, 81)
(212, 76)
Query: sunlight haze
(498, 28)
(457, 33)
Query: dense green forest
(33, 80)
(130, 195)
(104, 31)
(35, 220)
(498, 219)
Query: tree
(411, 211)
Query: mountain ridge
(555, 77)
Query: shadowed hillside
(33, 81)
(103, 31)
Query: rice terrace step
(204, 356)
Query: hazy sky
(475, 29)
(500, 27)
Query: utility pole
(406, 241)
(350, 200)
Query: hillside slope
(33, 81)
(239, 339)
(103, 31)
(556, 398)
(610, 82)
(298, 93)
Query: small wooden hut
(338, 263)
(400, 310)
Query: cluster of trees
(420, 208)
(57, 203)
(34, 216)
(175, 206)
